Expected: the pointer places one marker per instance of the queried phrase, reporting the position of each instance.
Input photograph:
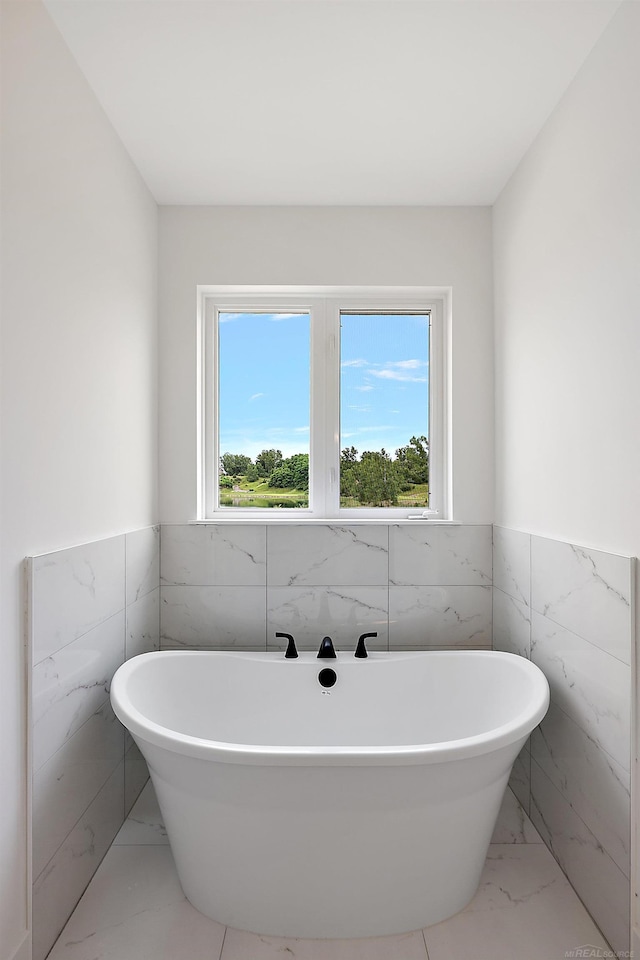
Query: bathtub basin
(360, 810)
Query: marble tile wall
(90, 608)
(569, 609)
(417, 585)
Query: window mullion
(323, 411)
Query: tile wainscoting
(90, 607)
(215, 586)
(569, 609)
(418, 586)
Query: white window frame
(324, 305)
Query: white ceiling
(329, 101)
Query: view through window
(263, 399)
(384, 409)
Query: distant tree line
(372, 478)
(270, 465)
(377, 480)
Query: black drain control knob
(327, 677)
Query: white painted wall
(78, 376)
(567, 292)
(328, 246)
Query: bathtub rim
(144, 729)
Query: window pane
(384, 410)
(264, 399)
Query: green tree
(374, 480)
(294, 472)
(234, 464)
(226, 482)
(413, 460)
(268, 461)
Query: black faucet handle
(291, 653)
(326, 651)
(361, 650)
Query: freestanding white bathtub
(359, 810)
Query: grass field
(259, 494)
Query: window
(323, 403)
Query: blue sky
(264, 382)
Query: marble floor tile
(134, 909)
(239, 945)
(144, 824)
(525, 908)
(513, 825)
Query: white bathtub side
(328, 852)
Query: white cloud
(406, 364)
(396, 375)
(355, 363)
(301, 430)
(277, 317)
(255, 396)
(365, 388)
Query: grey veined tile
(439, 617)
(214, 554)
(596, 787)
(328, 555)
(71, 685)
(525, 908)
(143, 624)
(511, 624)
(135, 909)
(599, 882)
(586, 591)
(426, 554)
(142, 562)
(511, 562)
(73, 591)
(343, 613)
(591, 686)
(213, 617)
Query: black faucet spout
(326, 651)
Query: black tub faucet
(326, 651)
(291, 653)
(361, 650)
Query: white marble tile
(520, 779)
(142, 553)
(428, 555)
(343, 613)
(74, 590)
(511, 624)
(214, 555)
(511, 563)
(589, 779)
(239, 945)
(525, 908)
(135, 909)
(60, 885)
(136, 775)
(71, 685)
(143, 624)
(586, 591)
(600, 884)
(587, 683)
(330, 555)
(213, 617)
(513, 824)
(144, 824)
(67, 784)
(439, 616)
